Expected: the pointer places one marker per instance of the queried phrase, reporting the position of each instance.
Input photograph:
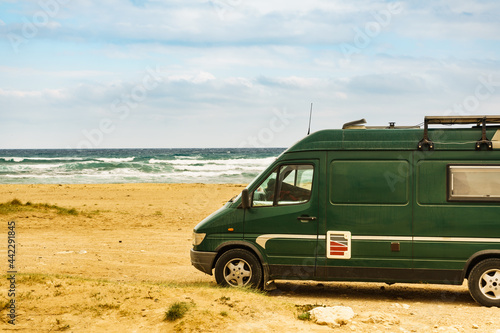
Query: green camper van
(375, 204)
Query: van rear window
(474, 182)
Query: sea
(106, 166)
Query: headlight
(198, 238)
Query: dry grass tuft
(16, 206)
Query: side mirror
(245, 199)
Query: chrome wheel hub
(489, 284)
(237, 273)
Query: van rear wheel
(238, 268)
(484, 282)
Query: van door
(283, 218)
(368, 227)
(457, 211)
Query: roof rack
(457, 120)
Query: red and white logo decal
(338, 245)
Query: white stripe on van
(262, 239)
(456, 239)
(388, 238)
(428, 239)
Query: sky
(237, 73)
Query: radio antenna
(310, 115)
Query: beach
(125, 232)
(114, 257)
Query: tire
(484, 282)
(238, 268)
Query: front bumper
(203, 261)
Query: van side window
(474, 182)
(287, 185)
(264, 194)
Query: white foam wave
(129, 174)
(232, 162)
(44, 166)
(115, 159)
(13, 159)
(216, 167)
(22, 159)
(194, 157)
(27, 168)
(207, 174)
(155, 161)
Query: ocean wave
(115, 159)
(132, 175)
(134, 165)
(217, 167)
(187, 157)
(39, 159)
(238, 161)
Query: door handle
(305, 219)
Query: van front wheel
(484, 282)
(238, 268)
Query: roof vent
(357, 124)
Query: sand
(124, 259)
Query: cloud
(193, 22)
(290, 82)
(227, 64)
(19, 94)
(197, 78)
(117, 24)
(388, 84)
